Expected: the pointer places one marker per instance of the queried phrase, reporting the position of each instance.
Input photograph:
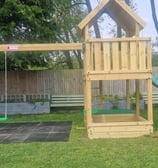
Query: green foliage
(38, 21)
(33, 101)
(155, 60)
(133, 98)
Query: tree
(24, 21)
(68, 33)
(39, 21)
(154, 16)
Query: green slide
(155, 80)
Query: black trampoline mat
(34, 132)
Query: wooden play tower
(127, 58)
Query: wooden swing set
(127, 58)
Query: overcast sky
(144, 11)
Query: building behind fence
(60, 82)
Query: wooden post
(89, 103)
(87, 83)
(137, 98)
(88, 91)
(150, 112)
(101, 93)
(85, 67)
(99, 67)
(137, 80)
(127, 81)
(128, 93)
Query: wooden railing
(119, 54)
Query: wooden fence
(60, 82)
(43, 82)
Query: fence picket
(60, 82)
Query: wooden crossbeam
(40, 47)
(120, 39)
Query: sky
(143, 9)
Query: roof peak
(119, 11)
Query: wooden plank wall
(60, 82)
(119, 55)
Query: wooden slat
(115, 56)
(142, 55)
(106, 56)
(87, 57)
(120, 134)
(149, 55)
(115, 75)
(119, 125)
(98, 56)
(41, 47)
(118, 128)
(92, 58)
(133, 56)
(124, 55)
(141, 121)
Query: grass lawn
(80, 152)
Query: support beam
(40, 47)
(150, 108)
(128, 93)
(137, 98)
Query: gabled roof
(119, 11)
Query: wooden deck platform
(119, 126)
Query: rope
(6, 85)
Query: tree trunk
(154, 14)
(68, 59)
(79, 58)
(96, 27)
